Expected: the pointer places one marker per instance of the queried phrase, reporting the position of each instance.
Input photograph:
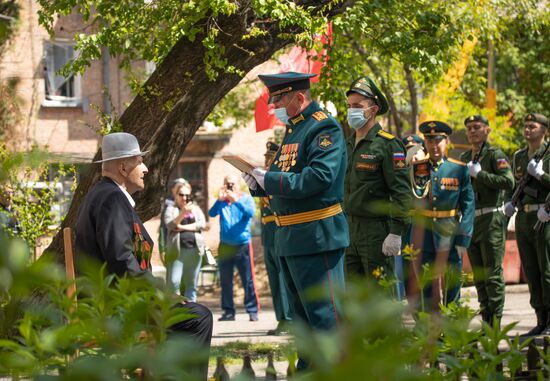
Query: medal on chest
(142, 248)
(288, 156)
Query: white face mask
(356, 117)
(281, 114)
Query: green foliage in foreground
(118, 328)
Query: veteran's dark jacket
(306, 175)
(105, 229)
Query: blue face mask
(281, 114)
(356, 117)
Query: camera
(230, 187)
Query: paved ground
(516, 309)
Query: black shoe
(542, 323)
(253, 316)
(227, 317)
(536, 330)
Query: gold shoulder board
(386, 135)
(456, 161)
(319, 115)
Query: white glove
(249, 180)
(461, 250)
(259, 175)
(543, 215)
(509, 209)
(535, 169)
(391, 245)
(473, 168)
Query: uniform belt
(436, 213)
(532, 207)
(268, 219)
(309, 216)
(482, 211)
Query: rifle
(522, 183)
(475, 160)
(539, 225)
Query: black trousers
(199, 328)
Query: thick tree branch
(178, 98)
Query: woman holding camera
(184, 221)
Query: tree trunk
(179, 96)
(414, 99)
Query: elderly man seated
(109, 230)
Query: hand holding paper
(259, 176)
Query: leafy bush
(117, 328)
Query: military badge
(420, 178)
(502, 164)
(287, 159)
(142, 248)
(324, 141)
(449, 183)
(319, 115)
(367, 156)
(399, 160)
(298, 119)
(366, 166)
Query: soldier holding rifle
(491, 177)
(531, 168)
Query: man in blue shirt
(236, 210)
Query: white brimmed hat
(119, 145)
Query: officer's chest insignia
(367, 156)
(319, 115)
(449, 183)
(288, 156)
(399, 160)
(298, 119)
(421, 170)
(325, 141)
(366, 166)
(502, 164)
(385, 135)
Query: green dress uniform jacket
(377, 199)
(533, 245)
(307, 175)
(486, 252)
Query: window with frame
(60, 91)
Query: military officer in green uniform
(272, 261)
(376, 192)
(443, 218)
(532, 245)
(491, 178)
(305, 185)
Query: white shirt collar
(130, 199)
